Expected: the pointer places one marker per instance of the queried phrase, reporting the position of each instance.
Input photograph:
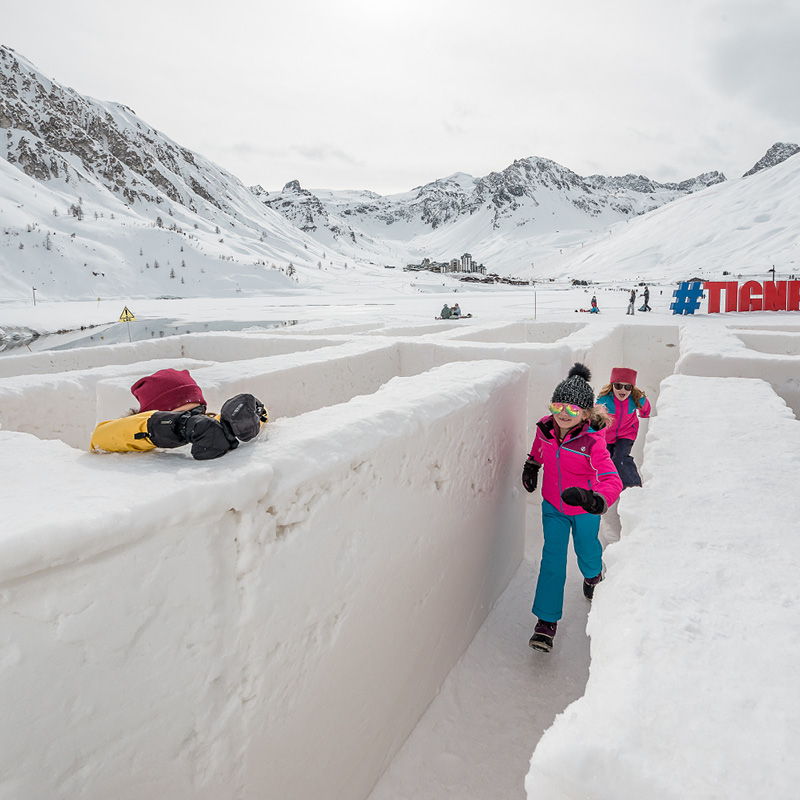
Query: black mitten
(530, 475)
(208, 437)
(589, 501)
(166, 428)
(242, 416)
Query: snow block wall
(200, 347)
(63, 405)
(694, 630)
(770, 351)
(271, 624)
(289, 384)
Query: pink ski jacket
(626, 416)
(581, 459)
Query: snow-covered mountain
(94, 202)
(739, 228)
(533, 197)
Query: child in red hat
(625, 402)
(172, 413)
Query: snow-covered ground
(691, 665)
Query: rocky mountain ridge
(779, 152)
(526, 190)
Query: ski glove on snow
(589, 501)
(208, 437)
(242, 415)
(530, 475)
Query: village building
(463, 265)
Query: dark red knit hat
(623, 375)
(166, 389)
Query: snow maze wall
(275, 622)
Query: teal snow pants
(549, 599)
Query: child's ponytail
(599, 417)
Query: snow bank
(269, 624)
(203, 347)
(289, 384)
(695, 642)
(651, 349)
(771, 353)
(296, 374)
(520, 332)
(51, 361)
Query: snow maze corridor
(341, 609)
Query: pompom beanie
(166, 390)
(575, 389)
(623, 375)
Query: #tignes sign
(753, 296)
(750, 296)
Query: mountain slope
(505, 218)
(743, 227)
(95, 202)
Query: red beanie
(623, 375)
(166, 389)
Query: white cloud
(390, 95)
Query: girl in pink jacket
(579, 483)
(625, 402)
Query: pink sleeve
(609, 483)
(536, 448)
(644, 411)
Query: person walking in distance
(579, 483)
(646, 295)
(632, 302)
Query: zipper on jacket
(558, 469)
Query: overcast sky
(387, 95)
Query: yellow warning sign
(126, 316)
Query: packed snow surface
(695, 636)
(691, 661)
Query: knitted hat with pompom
(575, 389)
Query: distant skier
(646, 295)
(625, 402)
(172, 413)
(594, 309)
(580, 482)
(632, 302)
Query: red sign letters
(754, 296)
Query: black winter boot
(543, 634)
(589, 584)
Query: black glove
(208, 437)
(166, 428)
(241, 416)
(530, 475)
(589, 501)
